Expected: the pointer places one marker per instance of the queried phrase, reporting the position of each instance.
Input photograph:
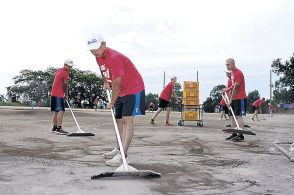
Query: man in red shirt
(270, 108)
(223, 107)
(164, 100)
(256, 106)
(128, 91)
(58, 93)
(237, 98)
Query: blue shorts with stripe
(57, 104)
(130, 105)
(239, 107)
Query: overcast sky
(178, 37)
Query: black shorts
(239, 107)
(130, 105)
(224, 108)
(163, 103)
(254, 108)
(57, 104)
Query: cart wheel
(181, 123)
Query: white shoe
(111, 154)
(115, 161)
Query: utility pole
(271, 86)
(197, 75)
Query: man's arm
(228, 89)
(65, 88)
(174, 94)
(234, 92)
(105, 83)
(116, 84)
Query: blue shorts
(130, 105)
(239, 107)
(57, 104)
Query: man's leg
(55, 118)
(167, 115)
(156, 113)
(154, 116)
(233, 126)
(119, 123)
(118, 115)
(54, 121)
(111, 154)
(254, 115)
(59, 118)
(223, 114)
(240, 121)
(128, 132)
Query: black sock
(54, 126)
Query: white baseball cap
(69, 63)
(173, 77)
(94, 41)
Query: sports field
(192, 160)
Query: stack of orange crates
(190, 102)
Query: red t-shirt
(238, 77)
(222, 102)
(60, 76)
(257, 103)
(229, 85)
(167, 91)
(116, 65)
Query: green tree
(36, 85)
(31, 85)
(2, 98)
(208, 105)
(86, 84)
(212, 102)
(284, 87)
(174, 105)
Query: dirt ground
(191, 159)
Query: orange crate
(191, 102)
(190, 95)
(190, 115)
(191, 85)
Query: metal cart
(191, 113)
(191, 109)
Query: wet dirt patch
(4, 178)
(251, 182)
(47, 152)
(220, 162)
(183, 179)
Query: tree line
(35, 86)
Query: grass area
(12, 104)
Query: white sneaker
(115, 161)
(111, 154)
